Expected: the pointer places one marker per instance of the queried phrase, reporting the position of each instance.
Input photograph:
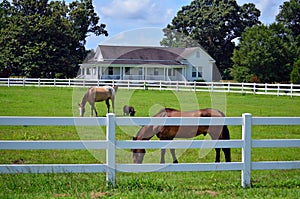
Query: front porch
(144, 72)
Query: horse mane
(85, 97)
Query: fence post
(228, 87)
(242, 87)
(266, 88)
(111, 150)
(160, 85)
(246, 150)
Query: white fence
(228, 87)
(110, 145)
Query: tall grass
(32, 101)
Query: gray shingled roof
(141, 55)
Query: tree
(289, 16)
(295, 74)
(213, 24)
(265, 54)
(45, 39)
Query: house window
(197, 72)
(88, 71)
(155, 71)
(110, 70)
(127, 70)
(197, 54)
(140, 71)
(169, 72)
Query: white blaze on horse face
(81, 111)
(138, 157)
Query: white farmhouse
(148, 63)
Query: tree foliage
(45, 39)
(295, 74)
(265, 54)
(213, 24)
(289, 16)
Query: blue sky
(142, 20)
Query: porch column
(97, 72)
(85, 72)
(100, 71)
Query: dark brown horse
(100, 94)
(171, 132)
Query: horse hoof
(175, 161)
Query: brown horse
(100, 94)
(171, 132)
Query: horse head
(138, 154)
(81, 109)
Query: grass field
(31, 101)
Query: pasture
(31, 101)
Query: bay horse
(98, 94)
(171, 132)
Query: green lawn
(32, 101)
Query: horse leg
(174, 155)
(107, 105)
(93, 108)
(113, 104)
(162, 156)
(217, 154)
(227, 154)
(215, 132)
(95, 111)
(226, 136)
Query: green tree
(45, 39)
(265, 54)
(295, 74)
(289, 15)
(213, 24)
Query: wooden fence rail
(111, 144)
(228, 87)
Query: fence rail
(110, 145)
(228, 87)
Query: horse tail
(225, 133)
(113, 92)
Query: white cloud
(149, 12)
(126, 8)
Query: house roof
(108, 54)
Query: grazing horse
(100, 94)
(171, 132)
